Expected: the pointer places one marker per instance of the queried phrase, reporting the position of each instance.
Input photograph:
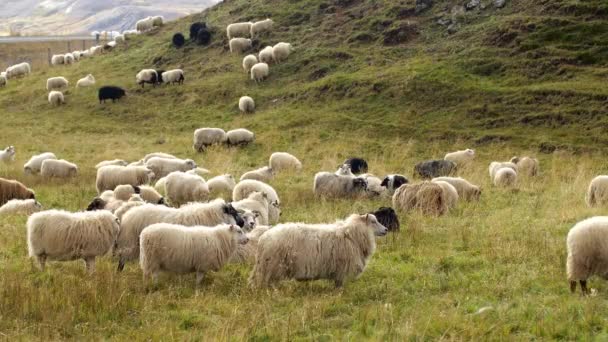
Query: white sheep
(263, 174)
(56, 98)
(374, 184)
(259, 72)
(327, 184)
(281, 51)
(426, 197)
(173, 76)
(18, 70)
(86, 81)
(115, 162)
(182, 188)
(207, 136)
(56, 83)
(180, 249)
(465, 189)
(303, 251)
(238, 30)
(240, 136)
(68, 58)
(144, 24)
(157, 21)
(266, 55)
(63, 236)
(244, 188)
(20, 206)
(344, 170)
(526, 165)
(246, 104)
(239, 45)
(261, 26)
(8, 154)
(163, 166)
(505, 177)
(125, 191)
(146, 76)
(587, 252)
(280, 161)
(134, 201)
(158, 154)
(597, 193)
(160, 184)
(248, 62)
(3, 81)
(256, 202)
(461, 158)
(221, 184)
(58, 168)
(495, 166)
(57, 59)
(35, 163)
(77, 54)
(119, 38)
(449, 191)
(109, 177)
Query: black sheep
(357, 165)
(178, 40)
(388, 218)
(203, 37)
(194, 28)
(110, 92)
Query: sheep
(327, 184)
(58, 169)
(144, 24)
(173, 76)
(63, 236)
(281, 51)
(256, 202)
(393, 182)
(68, 58)
(280, 161)
(109, 177)
(260, 26)
(221, 184)
(12, 189)
(56, 83)
(18, 70)
(193, 214)
(505, 177)
(146, 76)
(163, 166)
(203, 37)
(316, 251)
(597, 193)
(8, 154)
(178, 40)
(244, 188)
(20, 206)
(128, 34)
(434, 168)
(495, 166)
(526, 165)
(160, 184)
(86, 81)
(466, 190)
(3, 81)
(119, 38)
(77, 54)
(182, 188)
(449, 191)
(265, 56)
(388, 218)
(259, 72)
(426, 197)
(587, 253)
(246, 253)
(56, 98)
(207, 136)
(110, 93)
(240, 136)
(147, 193)
(238, 30)
(158, 154)
(263, 174)
(374, 184)
(461, 158)
(357, 165)
(246, 104)
(239, 45)
(344, 170)
(248, 62)
(35, 163)
(134, 201)
(57, 59)
(115, 162)
(157, 21)
(195, 27)
(179, 249)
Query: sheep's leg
(339, 282)
(573, 286)
(584, 287)
(41, 262)
(90, 264)
(121, 265)
(199, 277)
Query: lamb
(20, 207)
(526, 165)
(56, 98)
(244, 188)
(246, 253)
(239, 45)
(597, 193)
(180, 249)
(261, 26)
(193, 214)
(56, 83)
(146, 76)
(316, 251)
(63, 236)
(256, 202)
(12, 189)
(246, 104)
(248, 62)
(357, 165)
(240, 136)
(53, 168)
(393, 182)
(57, 59)
(344, 170)
(110, 93)
(182, 188)
(266, 55)
(173, 76)
(281, 51)
(587, 253)
(115, 162)
(495, 166)
(18, 70)
(35, 163)
(280, 161)
(426, 197)
(435, 168)
(259, 72)
(449, 191)
(3, 81)
(388, 218)
(263, 174)
(461, 158)
(238, 30)
(505, 177)
(163, 166)
(109, 177)
(327, 184)
(466, 190)
(207, 136)
(86, 81)
(8, 154)
(221, 184)
(144, 24)
(68, 58)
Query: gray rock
(472, 4)
(500, 3)
(423, 5)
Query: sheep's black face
(399, 181)
(136, 189)
(385, 182)
(360, 183)
(97, 204)
(32, 195)
(388, 218)
(229, 210)
(161, 201)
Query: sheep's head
(515, 160)
(359, 184)
(388, 218)
(96, 204)
(241, 237)
(230, 211)
(136, 189)
(470, 152)
(191, 164)
(344, 170)
(250, 219)
(162, 201)
(31, 194)
(398, 181)
(371, 222)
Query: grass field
(37, 53)
(369, 78)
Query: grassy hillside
(369, 78)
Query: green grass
(524, 80)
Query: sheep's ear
(257, 213)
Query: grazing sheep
(597, 193)
(115, 162)
(20, 207)
(393, 182)
(160, 184)
(110, 93)
(266, 55)
(68, 58)
(178, 40)
(77, 54)
(331, 185)
(246, 253)
(435, 168)
(244, 188)
(466, 190)
(256, 202)
(280, 161)
(374, 184)
(388, 218)
(58, 169)
(57, 59)
(109, 177)
(134, 201)
(461, 158)
(587, 253)
(182, 188)
(259, 72)
(263, 174)
(180, 249)
(147, 193)
(449, 191)
(163, 166)
(207, 136)
(144, 24)
(63, 236)
(239, 45)
(159, 155)
(3, 80)
(195, 27)
(8, 154)
(203, 37)
(56, 83)
(357, 165)
(35, 163)
(240, 136)
(248, 62)
(221, 184)
(193, 214)
(261, 26)
(316, 251)
(173, 76)
(495, 166)
(526, 165)
(56, 98)
(86, 81)
(157, 21)
(12, 189)
(427, 197)
(238, 30)
(281, 51)
(128, 34)
(18, 70)
(344, 170)
(146, 76)
(246, 104)
(505, 177)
